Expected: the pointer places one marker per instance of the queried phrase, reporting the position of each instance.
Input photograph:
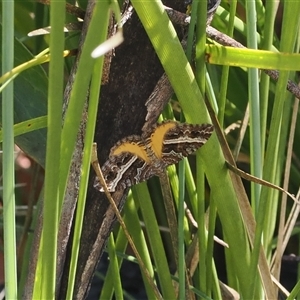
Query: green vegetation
(257, 116)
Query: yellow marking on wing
(132, 147)
(157, 137)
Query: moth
(137, 158)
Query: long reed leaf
(8, 168)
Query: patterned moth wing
(184, 139)
(137, 158)
(128, 164)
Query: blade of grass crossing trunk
(79, 92)
(90, 130)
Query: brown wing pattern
(136, 159)
(183, 140)
(121, 171)
(128, 164)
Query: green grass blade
(134, 226)
(251, 58)
(141, 194)
(115, 267)
(8, 168)
(271, 9)
(79, 92)
(200, 45)
(181, 245)
(202, 232)
(200, 73)
(90, 130)
(38, 60)
(225, 71)
(46, 280)
(254, 103)
(295, 292)
(27, 126)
